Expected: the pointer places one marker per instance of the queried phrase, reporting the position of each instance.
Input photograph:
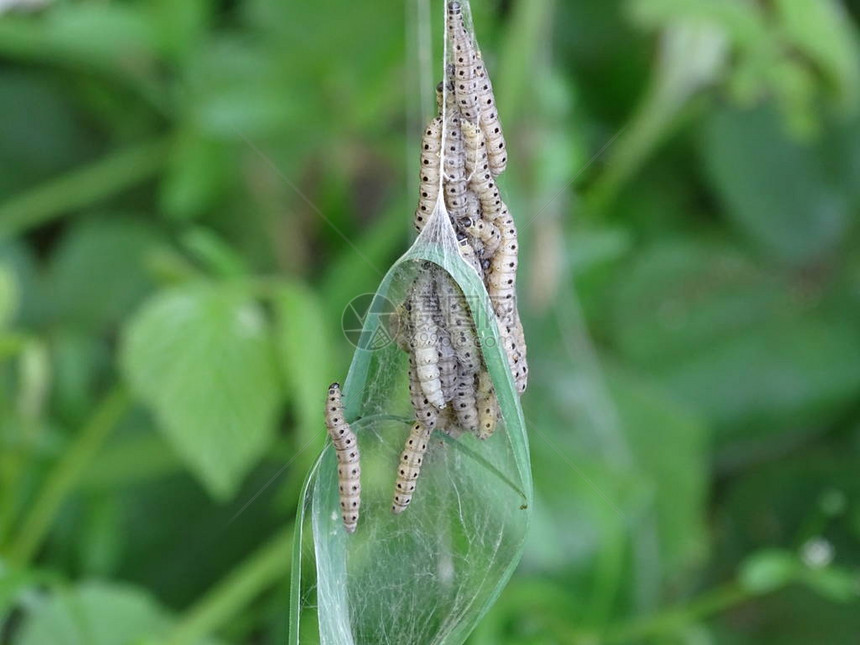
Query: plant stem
(668, 622)
(82, 187)
(223, 603)
(66, 474)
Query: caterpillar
(465, 402)
(409, 467)
(520, 338)
(501, 287)
(425, 340)
(496, 146)
(514, 354)
(487, 406)
(480, 177)
(448, 366)
(461, 330)
(486, 233)
(431, 146)
(440, 97)
(473, 214)
(501, 282)
(425, 412)
(348, 468)
(454, 163)
(476, 150)
(465, 58)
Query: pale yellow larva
(409, 467)
(501, 281)
(510, 343)
(519, 335)
(447, 368)
(480, 177)
(496, 147)
(464, 62)
(425, 412)
(440, 97)
(465, 403)
(346, 448)
(476, 149)
(428, 188)
(454, 164)
(459, 325)
(425, 338)
(488, 406)
(473, 214)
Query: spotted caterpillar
(431, 146)
(410, 467)
(425, 340)
(348, 466)
(465, 59)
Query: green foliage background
(191, 192)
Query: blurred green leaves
(754, 349)
(96, 614)
(305, 355)
(186, 345)
(780, 193)
(674, 480)
(147, 225)
(781, 51)
(110, 252)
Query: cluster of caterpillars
(449, 386)
(463, 151)
(474, 155)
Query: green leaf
(234, 91)
(200, 356)
(305, 357)
(93, 613)
(102, 32)
(680, 296)
(775, 191)
(17, 259)
(670, 448)
(29, 155)
(742, 21)
(768, 571)
(214, 253)
(180, 26)
(196, 175)
(110, 253)
(430, 574)
(9, 297)
(834, 584)
(823, 30)
(773, 380)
